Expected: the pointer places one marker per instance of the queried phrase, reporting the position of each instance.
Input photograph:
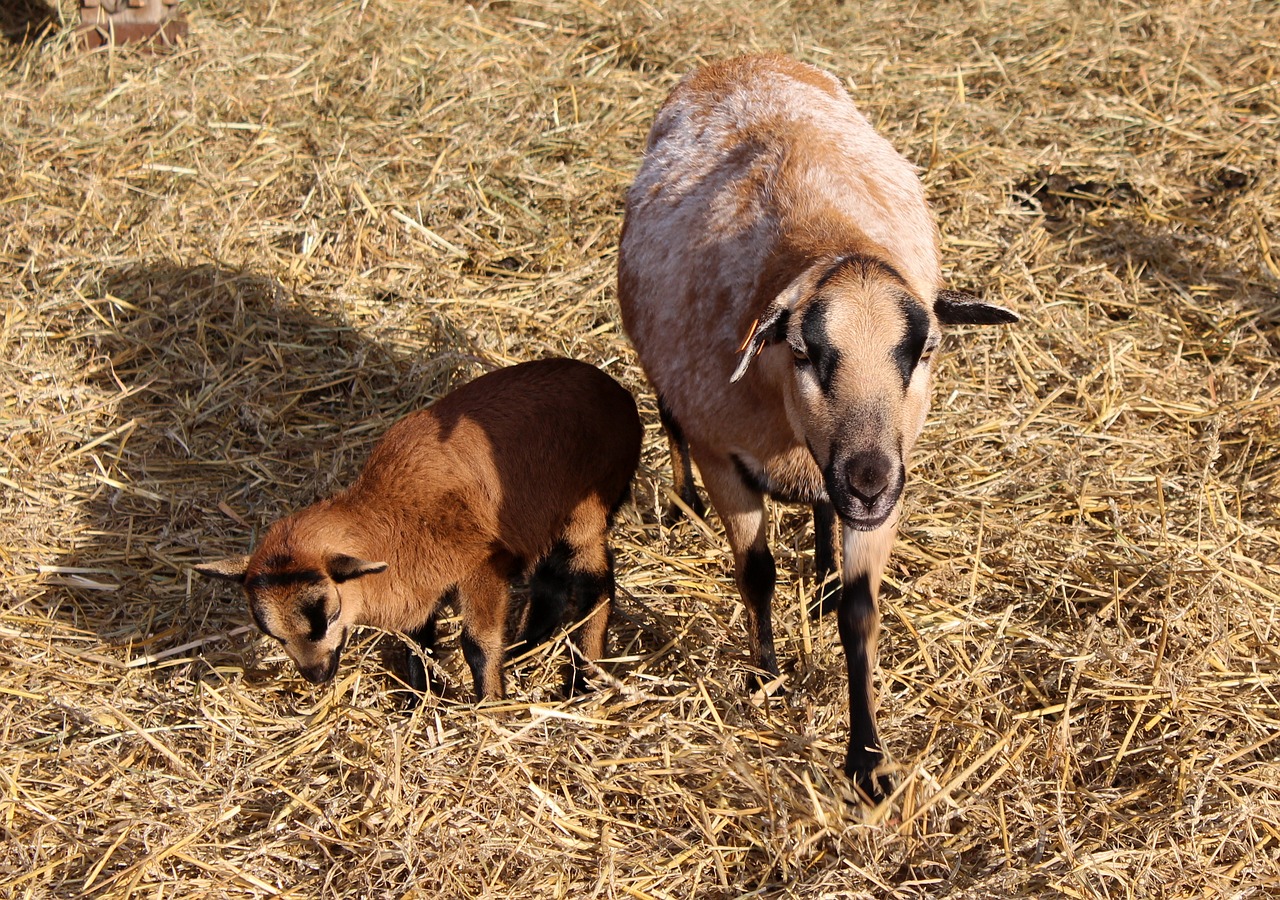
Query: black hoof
(418, 680)
(575, 682)
(826, 601)
(674, 513)
(767, 684)
(861, 766)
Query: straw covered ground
(226, 270)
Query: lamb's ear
(230, 569)
(959, 308)
(344, 568)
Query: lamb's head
(308, 601)
(857, 389)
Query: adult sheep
(779, 277)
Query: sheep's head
(861, 346)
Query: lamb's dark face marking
(303, 611)
(317, 619)
(862, 345)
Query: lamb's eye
(800, 356)
(333, 616)
(927, 353)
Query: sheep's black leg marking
(859, 627)
(826, 543)
(549, 589)
(759, 574)
(741, 509)
(681, 466)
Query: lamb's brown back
(521, 447)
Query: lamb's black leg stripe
(549, 590)
(476, 659)
(416, 671)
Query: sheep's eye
(333, 617)
(800, 356)
(927, 353)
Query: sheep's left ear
(959, 308)
(769, 328)
(772, 326)
(344, 568)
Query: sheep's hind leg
(741, 508)
(681, 467)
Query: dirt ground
(224, 271)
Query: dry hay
(225, 271)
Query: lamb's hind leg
(550, 588)
(485, 596)
(591, 572)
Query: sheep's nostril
(868, 475)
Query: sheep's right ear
(959, 308)
(772, 326)
(230, 569)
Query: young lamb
(523, 467)
(779, 277)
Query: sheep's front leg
(865, 555)
(741, 509)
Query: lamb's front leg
(485, 596)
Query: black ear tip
(958, 308)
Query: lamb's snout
(323, 671)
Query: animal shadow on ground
(1105, 218)
(22, 21)
(1223, 308)
(236, 405)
